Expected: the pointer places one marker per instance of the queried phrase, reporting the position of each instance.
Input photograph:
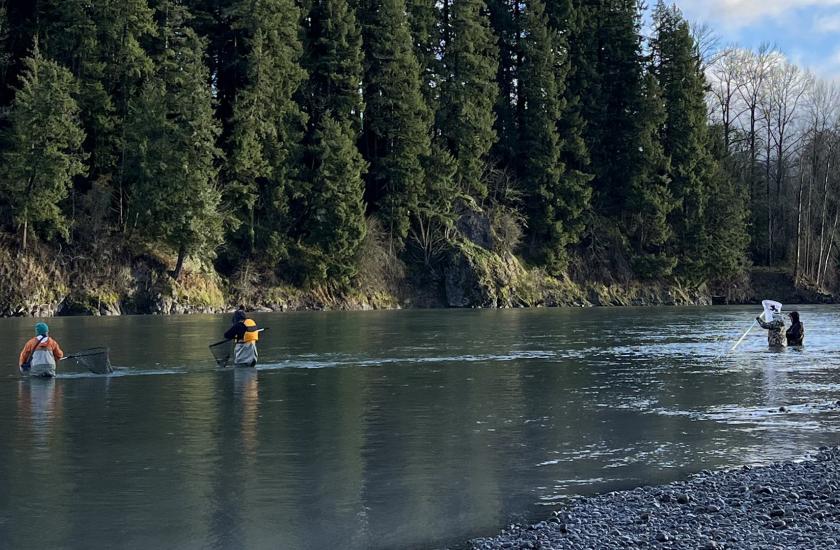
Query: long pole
(741, 339)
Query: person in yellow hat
(40, 354)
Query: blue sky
(807, 31)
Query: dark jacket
(796, 334)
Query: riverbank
(791, 505)
(468, 275)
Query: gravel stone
(790, 506)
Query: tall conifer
(42, 149)
(172, 140)
(100, 43)
(335, 226)
(540, 166)
(268, 126)
(608, 80)
(650, 201)
(470, 92)
(335, 64)
(678, 68)
(397, 133)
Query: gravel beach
(790, 505)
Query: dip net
(222, 351)
(95, 360)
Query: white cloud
(830, 24)
(742, 13)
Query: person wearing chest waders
(775, 328)
(245, 333)
(40, 354)
(796, 333)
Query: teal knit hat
(41, 329)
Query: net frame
(222, 352)
(96, 360)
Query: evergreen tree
(425, 23)
(607, 78)
(335, 63)
(268, 126)
(396, 134)
(42, 149)
(564, 22)
(470, 92)
(678, 68)
(172, 143)
(650, 201)
(100, 43)
(5, 55)
(335, 226)
(508, 27)
(226, 26)
(725, 217)
(556, 199)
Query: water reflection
(246, 393)
(40, 404)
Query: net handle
(86, 352)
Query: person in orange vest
(245, 333)
(40, 354)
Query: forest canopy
(282, 135)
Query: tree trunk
(821, 273)
(798, 226)
(179, 265)
(822, 217)
(769, 203)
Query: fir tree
(42, 149)
(540, 166)
(172, 140)
(268, 126)
(396, 135)
(470, 92)
(725, 217)
(335, 63)
(564, 23)
(508, 27)
(607, 78)
(100, 43)
(677, 66)
(650, 201)
(5, 54)
(335, 226)
(425, 23)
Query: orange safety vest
(251, 334)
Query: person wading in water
(775, 330)
(245, 333)
(40, 354)
(796, 333)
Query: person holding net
(245, 333)
(40, 354)
(774, 324)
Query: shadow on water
(391, 429)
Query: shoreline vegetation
(172, 156)
(473, 278)
(789, 505)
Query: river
(401, 429)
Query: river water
(404, 429)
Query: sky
(806, 31)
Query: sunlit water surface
(408, 429)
